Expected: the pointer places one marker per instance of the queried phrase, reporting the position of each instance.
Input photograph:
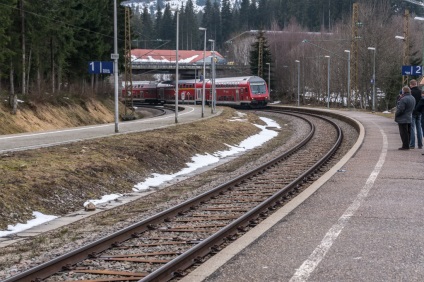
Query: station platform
(362, 221)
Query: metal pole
(195, 88)
(373, 78)
(373, 84)
(115, 57)
(176, 70)
(204, 72)
(269, 75)
(213, 77)
(298, 82)
(348, 78)
(328, 82)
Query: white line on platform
(308, 266)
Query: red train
(245, 91)
(142, 92)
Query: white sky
(156, 179)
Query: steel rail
(189, 257)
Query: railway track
(163, 246)
(149, 111)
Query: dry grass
(34, 117)
(58, 180)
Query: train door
(237, 95)
(198, 95)
(161, 96)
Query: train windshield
(258, 88)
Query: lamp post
(213, 98)
(115, 57)
(348, 78)
(328, 82)
(269, 78)
(175, 8)
(421, 19)
(298, 82)
(405, 59)
(204, 72)
(373, 79)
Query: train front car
(244, 91)
(258, 91)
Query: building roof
(168, 56)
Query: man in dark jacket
(420, 106)
(403, 116)
(416, 117)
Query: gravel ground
(34, 251)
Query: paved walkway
(363, 221)
(25, 141)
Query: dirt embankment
(38, 117)
(58, 180)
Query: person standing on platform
(403, 116)
(420, 106)
(416, 117)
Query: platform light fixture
(204, 72)
(348, 78)
(115, 57)
(421, 19)
(213, 94)
(373, 79)
(328, 82)
(175, 9)
(298, 82)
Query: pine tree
(158, 22)
(147, 32)
(191, 26)
(252, 16)
(254, 56)
(215, 25)
(207, 21)
(167, 31)
(6, 21)
(263, 14)
(244, 15)
(227, 20)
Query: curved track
(161, 247)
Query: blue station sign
(97, 67)
(412, 70)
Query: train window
(258, 88)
